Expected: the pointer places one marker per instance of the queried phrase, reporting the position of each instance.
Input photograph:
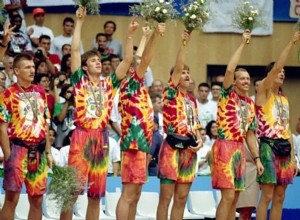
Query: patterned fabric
(15, 173)
(278, 170)
(273, 118)
(86, 112)
(134, 167)
(136, 110)
(232, 108)
(89, 155)
(16, 110)
(176, 108)
(229, 165)
(177, 165)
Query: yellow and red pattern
(273, 122)
(136, 110)
(174, 113)
(16, 110)
(85, 93)
(229, 120)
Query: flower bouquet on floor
(92, 6)
(195, 15)
(246, 17)
(64, 185)
(155, 10)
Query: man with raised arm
(176, 165)
(236, 124)
(136, 111)
(93, 101)
(272, 111)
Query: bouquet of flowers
(246, 17)
(64, 185)
(155, 10)
(92, 6)
(195, 15)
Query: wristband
(3, 45)
(47, 152)
(255, 158)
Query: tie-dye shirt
(236, 115)
(273, 118)
(179, 111)
(16, 110)
(136, 110)
(85, 93)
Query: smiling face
(242, 81)
(280, 78)
(184, 81)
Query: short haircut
(101, 35)
(110, 22)
(215, 83)
(20, 57)
(114, 56)
(203, 84)
(89, 54)
(68, 19)
(44, 36)
(14, 16)
(65, 45)
(186, 67)
(239, 70)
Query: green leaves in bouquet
(64, 185)
(155, 10)
(92, 6)
(246, 16)
(195, 14)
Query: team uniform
(273, 125)
(236, 115)
(136, 110)
(177, 165)
(26, 129)
(89, 142)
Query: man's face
(25, 71)
(109, 28)
(93, 65)
(215, 91)
(157, 87)
(39, 19)
(115, 63)
(106, 68)
(191, 86)
(102, 41)
(185, 79)
(68, 28)
(242, 81)
(280, 78)
(16, 22)
(45, 43)
(66, 50)
(157, 105)
(203, 92)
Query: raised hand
(81, 13)
(246, 36)
(133, 26)
(7, 32)
(161, 28)
(185, 37)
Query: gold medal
(98, 112)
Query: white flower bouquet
(246, 17)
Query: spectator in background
(114, 158)
(212, 131)
(204, 105)
(17, 6)
(156, 87)
(191, 89)
(255, 84)
(66, 49)
(20, 41)
(216, 92)
(66, 65)
(296, 140)
(203, 167)
(101, 45)
(42, 53)
(64, 38)
(106, 67)
(8, 70)
(115, 61)
(114, 46)
(156, 100)
(36, 30)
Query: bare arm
(75, 51)
(116, 168)
(273, 74)
(4, 140)
(140, 50)
(233, 62)
(6, 38)
(48, 148)
(123, 67)
(149, 51)
(253, 148)
(180, 59)
(293, 156)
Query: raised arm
(75, 48)
(149, 50)
(141, 47)
(126, 62)
(267, 82)
(180, 59)
(233, 62)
